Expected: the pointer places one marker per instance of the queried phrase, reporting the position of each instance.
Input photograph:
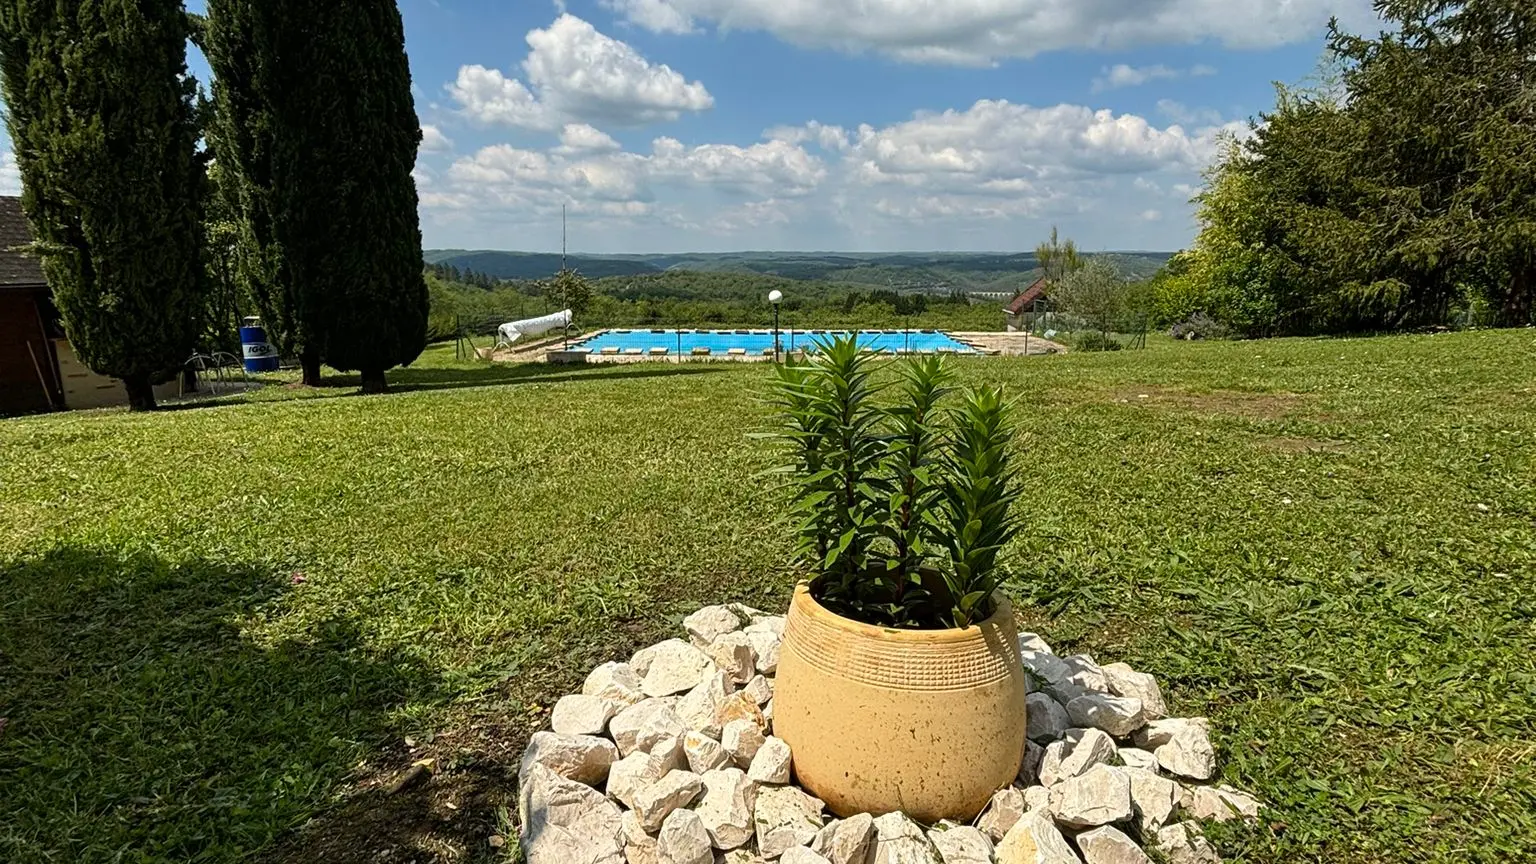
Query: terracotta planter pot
(927, 722)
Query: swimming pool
(761, 341)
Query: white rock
(1117, 715)
(1099, 796)
(1029, 769)
(740, 706)
(653, 803)
(1034, 642)
(733, 653)
(801, 855)
(646, 717)
(771, 764)
(704, 753)
(760, 688)
(1035, 840)
(961, 844)
(785, 817)
(675, 667)
(583, 758)
(741, 856)
(564, 822)
(640, 661)
(741, 739)
(1086, 674)
(727, 807)
(1218, 803)
(639, 846)
(1005, 808)
(1063, 678)
(699, 708)
(1045, 718)
(631, 774)
(710, 623)
(1036, 798)
(899, 840)
(1137, 758)
(767, 624)
(1108, 845)
(847, 841)
(1185, 843)
(1152, 799)
(1075, 753)
(671, 754)
(765, 648)
(1125, 681)
(582, 715)
(616, 682)
(683, 840)
(1182, 746)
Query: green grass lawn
(224, 629)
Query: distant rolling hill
(959, 270)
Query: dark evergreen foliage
(101, 114)
(316, 110)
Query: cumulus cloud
(993, 163)
(433, 140)
(658, 16)
(1121, 75)
(976, 32)
(582, 138)
(577, 75)
(10, 174)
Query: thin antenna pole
(562, 236)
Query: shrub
(901, 509)
(1093, 340)
(1200, 326)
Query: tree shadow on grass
(141, 723)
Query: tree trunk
(141, 394)
(1515, 311)
(373, 381)
(309, 358)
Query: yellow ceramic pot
(929, 722)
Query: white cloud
(974, 32)
(1178, 112)
(658, 16)
(1000, 143)
(577, 75)
(957, 173)
(433, 140)
(10, 174)
(581, 138)
(830, 138)
(1121, 75)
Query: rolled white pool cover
(512, 331)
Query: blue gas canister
(260, 356)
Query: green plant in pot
(900, 685)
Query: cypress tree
(241, 134)
(101, 115)
(318, 111)
(345, 188)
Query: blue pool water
(758, 341)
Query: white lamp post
(775, 298)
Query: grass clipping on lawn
(222, 623)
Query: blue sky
(858, 125)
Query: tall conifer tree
(101, 115)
